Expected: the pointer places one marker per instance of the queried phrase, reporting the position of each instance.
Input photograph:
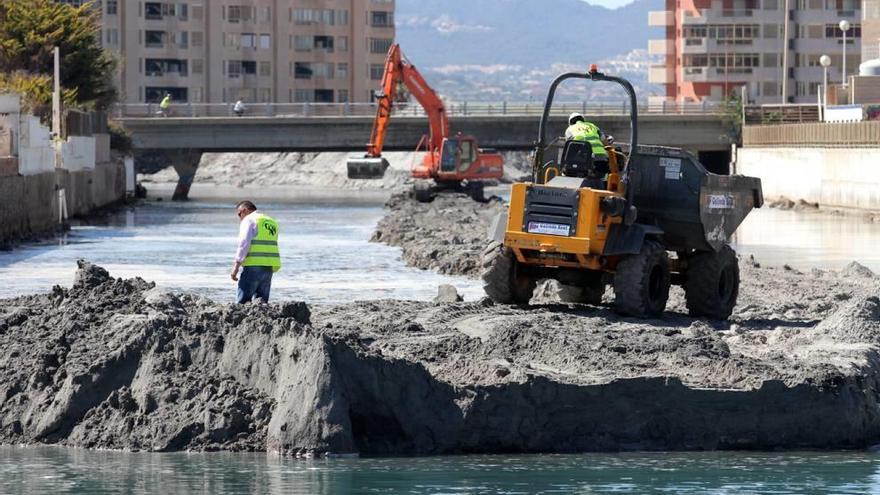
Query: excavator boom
(399, 72)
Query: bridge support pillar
(186, 164)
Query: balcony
(660, 74)
(659, 47)
(660, 18)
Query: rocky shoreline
(112, 363)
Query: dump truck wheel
(423, 192)
(641, 282)
(475, 191)
(712, 284)
(503, 281)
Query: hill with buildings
(510, 49)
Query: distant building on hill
(715, 47)
(212, 51)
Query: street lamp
(844, 27)
(824, 61)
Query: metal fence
(143, 110)
(781, 114)
(847, 134)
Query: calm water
(326, 255)
(51, 470)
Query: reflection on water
(58, 470)
(326, 255)
(808, 240)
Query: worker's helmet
(574, 117)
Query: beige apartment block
(713, 48)
(260, 51)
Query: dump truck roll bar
(592, 75)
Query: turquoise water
(190, 246)
(57, 470)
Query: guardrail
(144, 110)
(832, 135)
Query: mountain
(520, 32)
(493, 50)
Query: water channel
(328, 258)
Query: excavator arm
(398, 70)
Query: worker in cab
(257, 256)
(579, 129)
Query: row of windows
(321, 43)
(749, 32)
(842, 7)
(247, 40)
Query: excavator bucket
(366, 167)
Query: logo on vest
(270, 227)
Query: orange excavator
(450, 163)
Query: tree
(731, 117)
(29, 29)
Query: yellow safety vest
(589, 133)
(165, 103)
(264, 246)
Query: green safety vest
(165, 103)
(264, 246)
(589, 133)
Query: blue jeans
(254, 281)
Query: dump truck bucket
(366, 167)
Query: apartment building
(715, 47)
(213, 51)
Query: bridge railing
(145, 110)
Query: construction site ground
(110, 363)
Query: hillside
(509, 49)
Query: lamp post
(844, 27)
(824, 61)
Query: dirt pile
(447, 235)
(120, 364)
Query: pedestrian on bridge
(238, 108)
(165, 105)
(257, 255)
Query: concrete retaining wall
(30, 203)
(834, 177)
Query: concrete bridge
(179, 141)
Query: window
(198, 66)
(198, 37)
(165, 66)
(265, 68)
(111, 37)
(323, 96)
(183, 12)
(233, 13)
(233, 68)
(197, 95)
(265, 41)
(153, 10)
(771, 31)
(231, 40)
(248, 67)
(303, 95)
(265, 95)
(265, 14)
(342, 43)
(154, 39)
(770, 60)
(302, 70)
(770, 88)
(198, 12)
(112, 7)
(248, 40)
(342, 96)
(323, 70)
(376, 71)
(342, 71)
(302, 43)
(183, 39)
(380, 18)
(380, 45)
(324, 43)
(771, 4)
(343, 17)
(833, 31)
